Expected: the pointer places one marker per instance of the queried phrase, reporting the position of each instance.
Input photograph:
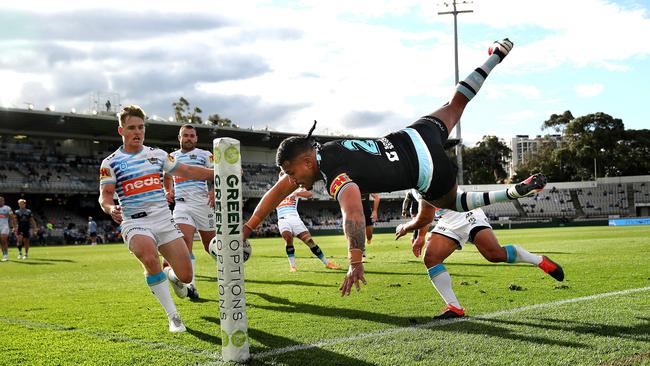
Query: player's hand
(400, 231)
(416, 246)
(170, 196)
(354, 275)
(116, 214)
(373, 216)
(211, 199)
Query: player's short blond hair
(130, 111)
(22, 200)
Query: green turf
(77, 305)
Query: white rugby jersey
(289, 205)
(191, 190)
(5, 212)
(138, 179)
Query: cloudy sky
(363, 67)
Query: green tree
(184, 113)
(217, 120)
(485, 163)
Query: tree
(184, 114)
(217, 120)
(596, 138)
(485, 163)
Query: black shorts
(367, 211)
(24, 231)
(434, 133)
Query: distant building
(522, 145)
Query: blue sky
(362, 67)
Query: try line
(439, 323)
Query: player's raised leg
(144, 248)
(306, 238)
(451, 112)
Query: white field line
(216, 356)
(438, 323)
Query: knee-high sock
(317, 251)
(473, 82)
(442, 282)
(193, 259)
(291, 254)
(160, 289)
(467, 201)
(516, 254)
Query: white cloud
(329, 60)
(590, 90)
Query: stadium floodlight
(50, 108)
(228, 249)
(455, 12)
(170, 119)
(94, 112)
(73, 110)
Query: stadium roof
(102, 127)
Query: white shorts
(159, 226)
(4, 230)
(461, 226)
(292, 224)
(201, 216)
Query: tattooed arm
(354, 226)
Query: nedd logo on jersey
(338, 183)
(145, 183)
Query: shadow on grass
(51, 260)
(288, 306)
(500, 333)
(298, 358)
(639, 332)
(272, 341)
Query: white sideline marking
(438, 323)
(216, 356)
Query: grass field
(77, 305)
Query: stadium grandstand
(52, 159)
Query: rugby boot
(176, 324)
(552, 268)
(179, 288)
(332, 265)
(531, 185)
(192, 292)
(451, 312)
(501, 48)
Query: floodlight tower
(455, 12)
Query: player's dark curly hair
(293, 146)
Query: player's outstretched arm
(354, 226)
(193, 172)
(271, 199)
(425, 216)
